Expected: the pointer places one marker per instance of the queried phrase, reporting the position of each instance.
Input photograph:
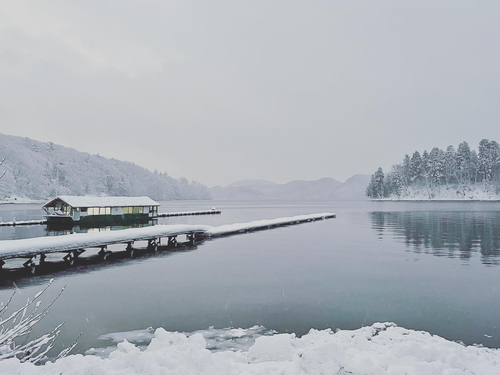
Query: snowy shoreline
(382, 348)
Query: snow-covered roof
(89, 201)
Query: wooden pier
(14, 223)
(213, 211)
(35, 250)
(73, 245)
(229, 229)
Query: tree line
(461, 170)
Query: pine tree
(449, 165)
(474, 167)
(378, 183)
(485, 162)
(406, 169)
(376, 188)
(369, 188)
(416, 167)
(463, 161)
(436, 161)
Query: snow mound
(382, 348)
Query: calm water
(432, 267)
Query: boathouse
(86, 209)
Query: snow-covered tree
(436, 166)
(474, 167)
(449, 165)
(425, 166)
(486, 159)
(405, 172)
(463, 161)
(376, 187)
(378, 183)
(2, 173)
(416, 167)
(463, 171)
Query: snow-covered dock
(75, 244)
(22, 222)
(213, 211)
(224, 230)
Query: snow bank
(382, 348)
(263, 224)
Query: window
(108, 210)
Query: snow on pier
(224, 230)
(40, 245)
(75, 244)
(213, 211)
(14, 223)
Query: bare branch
(20, 325)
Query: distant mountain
(38, 170)
(261, 189)
(251, 183)
(352, 190)
(324, 189)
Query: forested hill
(40, 170)
(442, 174)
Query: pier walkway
(14, 223)
(224, 230)
(36, 249)
(213, 211)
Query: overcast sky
(219, 91)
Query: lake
(425, 266)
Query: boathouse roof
(89, 201)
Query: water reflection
(457, 234)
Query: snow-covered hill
(38, 170)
